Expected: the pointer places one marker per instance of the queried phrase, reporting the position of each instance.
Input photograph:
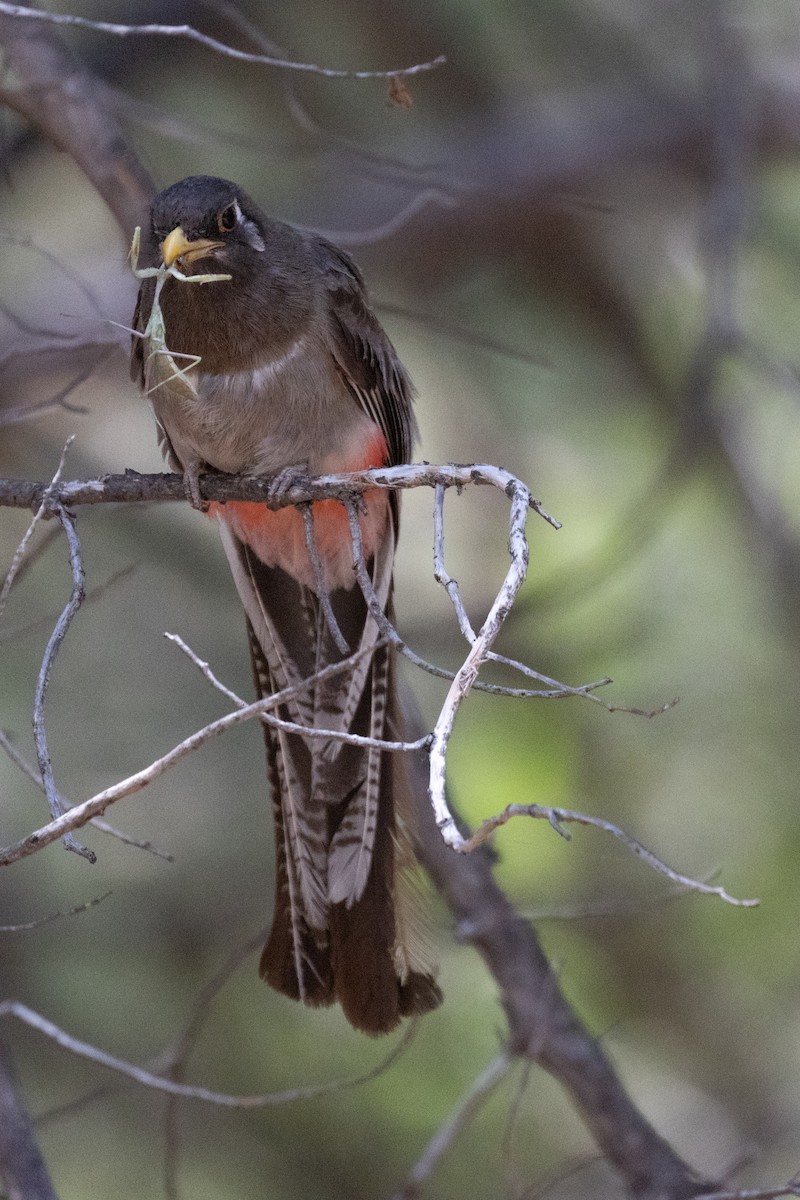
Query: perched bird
(289, 373)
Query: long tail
(348, 924)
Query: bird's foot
(191, 487)
(296, 475)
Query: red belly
(279, 537)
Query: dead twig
(465, 1111)
(81, 814)
(556, 817)
(27, 926)
(54, 801)
(190, 33)
(12, 1008)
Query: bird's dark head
(204, 225)
(205, 220)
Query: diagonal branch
(22, 1168)
(81, 814)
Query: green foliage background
(612, 199)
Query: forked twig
(555, 816)
(345, 488)
(521, 502)
(127, 839)
(80, 814)
(22, 549)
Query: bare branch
(14, 416)
(26, 242)
(22, 1169)
(521, 502)
(194, 35)
(133, 487)
(321, 585)
(12, 1008)
(359, 158)
(466, 1110)
(26, 926)
(792, 1188)
(555, 816)
(433, 323)
(450, 585)
(427, 198)
(57, 637)
(22, 549)
(205, 669)
(81, 814)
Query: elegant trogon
(288, 371)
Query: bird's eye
(228, 218)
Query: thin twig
(28, 1016)
(205, 669)
(80, 814)
(194, 35)
(351, 739)
(56, 638)
(792, 1188)
(288, 693)
(128, 839)
(370, 163)
(390, 633)
(440, 572)
(555, 816)
(466, 1110)
(26, 926)
(560, 690)
(22, 549)
(26, 242)
(379, 233)
(15, 416)
(307, 514)
(46, 622)
(96, 822)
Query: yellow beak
(176, 245)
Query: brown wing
(366, 358)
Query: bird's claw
(191, 488)
(287, 478)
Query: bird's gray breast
(289, 409)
